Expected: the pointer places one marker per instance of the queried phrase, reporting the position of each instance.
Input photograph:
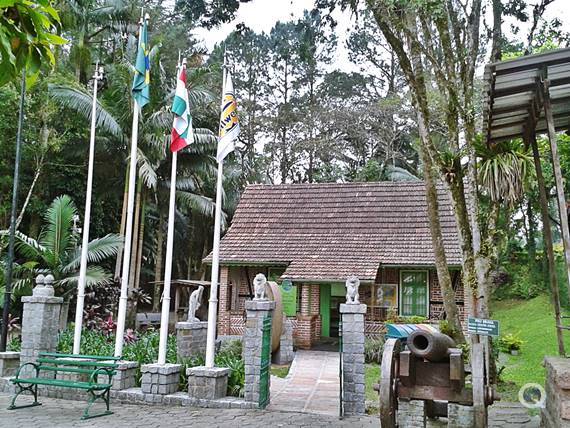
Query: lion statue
(259, 283)
(352, 284)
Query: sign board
(289, 296)
(482, 326)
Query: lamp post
(12, 233)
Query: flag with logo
(141, 82)
(229, 125)
(181, 134)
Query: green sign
(482, 326)
(289, 296)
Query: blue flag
(141, 82)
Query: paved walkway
(312, 385)
(55, 413)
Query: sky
(261, 16)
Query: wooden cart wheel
(388, 381)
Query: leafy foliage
(27, 34)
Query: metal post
(98, 75)
(12, 233)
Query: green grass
(280, 371)
(371, 377)
(533, 321)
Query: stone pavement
(64, 413)
(311, 386)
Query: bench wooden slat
(75, 363)
(73, 370)
(90, 357)
(61, 382)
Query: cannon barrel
(431, 345)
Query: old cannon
(430, 368)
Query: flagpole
(164, 318)
(128, 235)
(213, 305)
(213, 302)
(98, 75)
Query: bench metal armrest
(101, 370)
(27, 364)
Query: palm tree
(58, 251)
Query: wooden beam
(558, 178)
(530, 139)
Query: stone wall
(556, 412)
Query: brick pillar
(223, 299)
(353, 358)
(305, 299)
(315, 311)
(40, 320)
(257, 311)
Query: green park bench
(49, 364)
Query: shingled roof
(326, 232)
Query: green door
(325, 309)
(413, 293)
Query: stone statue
(352, 284)
(259, 283)
(194, 304)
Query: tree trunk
(159, 262)
(119, 260)
(443, 275)
(131, 303)
(531, 241)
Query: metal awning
(514, 95)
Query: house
(311, 237)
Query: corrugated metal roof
(513, 95)
(333, 230)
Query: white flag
(229, 125)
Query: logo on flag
(181, 134)
(141, 81)
(229, 125)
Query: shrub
(15, 344)
(373, 348)
(510, 342)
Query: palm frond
(98, 250)
(56, 237)
(95, 276)
(147, 170)
(199, 203)
(81, 102)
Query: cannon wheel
(388, 381)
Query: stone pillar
(9, 363)
(207, 382)
(257, 311)
(284, 354)
(40, 320)
(556, 411)
(411, 414)
(190, 339)
(160, 379)
(353, 358)
(125, 377)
